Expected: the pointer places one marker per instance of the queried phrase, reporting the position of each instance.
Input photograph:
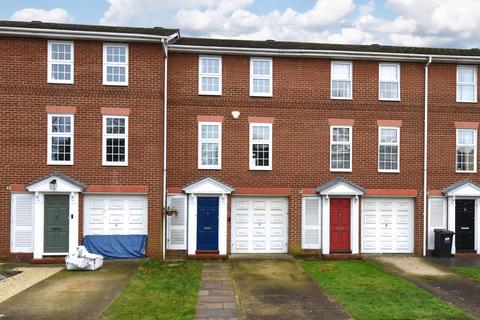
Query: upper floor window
(60, 62)
(389, 81)
(209, 145)
(341, 86)
(260, 146)
(466, 150)
(466, 84)
(340, 148)
(115, 141)
(210, 75)
(389, 149)
(115, 64)
(60, 139)
(261, 77)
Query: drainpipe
(164, 176)
(425, 159)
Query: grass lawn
(368, 292)
(472, 272)
(159, 290)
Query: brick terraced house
(271, 147)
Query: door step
(207, 254)
(467, 255)
(341, 256)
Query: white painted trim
(304, 227)
(325, 202)
(354, 225)
(14, 227)
(106, 64)
(171, 246)
(51, 61)
(204, 140)
(262, 77)
(342, 143)
(51, 134)
(208, 186)
(452, 216)
(444, 217)
(210, 75)
(252, 165)
(389, 144)
(474, 84)
(474, 151)
(380, 65)
(105, 136)
(332, 79)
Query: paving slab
(71, 294)
(461, 292)
(281, 290)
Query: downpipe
(425, 159)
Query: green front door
(56, 224)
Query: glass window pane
(341, 71)
(388, 73)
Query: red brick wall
(301, 106)
(24, 93)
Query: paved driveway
(71, 294)
(280, 289)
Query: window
(60, 62)
(466, 84)
(261, 77)
(341, 86)
(466, 150)
(60, 139)
(389, 81)
(115, 140)
(260, 146)
(388, 149)
(209, 145)
(311, 223)
(210, 75)
(115, 64)
(341, 148)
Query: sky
(435, 23)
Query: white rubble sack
(83, 260)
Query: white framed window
(341, 82)
(60, 139)
(466, 84)
(115, 141)
(209, 145)
(210, 75)
(115, 64)
(260, 146)
(466, 152)
(60, 62)
(177, 223)
(311, 223)
(389, 149)
(261, 77)
(389, 77)
(437, 217)
(340, 148)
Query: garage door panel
(369, 232)
(386, 206)
(117, 204)
(403, 219)
(259, 225)
(136, 205)
(370, 244)
(369, 206)
(386, 219)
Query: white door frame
(451, 218)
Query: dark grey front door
(465, 225)
(56, 224)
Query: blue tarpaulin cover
(117, 246)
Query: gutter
(82, 35)
(425, 158)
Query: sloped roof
(61, 176)
(208, 177)
(337, 181)
(458, 184)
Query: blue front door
(207, 223)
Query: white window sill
(260, 95)
(389, 171)
(116, 84)
(475, 171)
(51, 163)
(206, 93)
(60, 81)
(340, 170)
(107, 164)
(260, 169)
(209, 168)
(339, 98)
(465, 101)
(380, 99)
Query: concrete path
(216, 298)
(457, 290)
(70, 294)
(279, 289)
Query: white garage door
(259, 225)
(387, 225)
(115, 214)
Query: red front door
(339, 224)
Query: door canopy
(208, 185)
(463, 188)
(340, 187)
(56, 182)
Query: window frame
(474, 150)
(475, 83)
(204, 140)
(201, 75)
(106, 64)
(106, 135)
(51, 135)
(252, 165)
(341, 143)
(262, 77)
(332, 79)
(51, 61)
(397, 144)
(398, 81)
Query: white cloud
(31, 14)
